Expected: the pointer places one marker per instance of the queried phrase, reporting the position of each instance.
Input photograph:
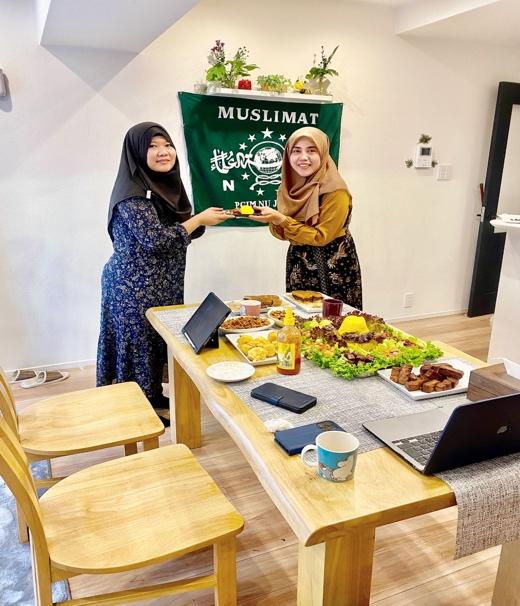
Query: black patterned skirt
(332, 269)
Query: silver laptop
(450, 437)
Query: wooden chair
(122, 515)
(81, 421)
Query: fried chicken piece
(394, 374)
(414, 385)
(433, 374)
(447, 370)
(429, 386)
(404, 374)
(443, 386)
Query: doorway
(501, 195)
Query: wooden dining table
(335, 523)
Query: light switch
(443, 172)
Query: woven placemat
(488, 499)
(349, 403)
(175, 319)
(487, 493)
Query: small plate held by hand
(230, 372)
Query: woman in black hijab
(151, 226)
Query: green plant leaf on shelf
(274, 82)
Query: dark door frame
(490, 246)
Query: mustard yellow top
(334, 211)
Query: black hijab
(135, 178)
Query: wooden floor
(413, 560)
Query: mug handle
(307, 449)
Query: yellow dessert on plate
(353, 324)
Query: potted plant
(226, 72)
(276, 83)
(318, 73)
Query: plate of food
(266, 301)
(245, 324)
(430, 380)
(307, 300)
(257, 349)
(244, 212)
(277, 314)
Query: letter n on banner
(235, 146)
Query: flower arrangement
(236, 72)
(274, 82)
(227, 71)
(319, 72)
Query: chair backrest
(7, 408)
(3, 378)
(14, 468)
(7, 405)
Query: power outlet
(408, 299)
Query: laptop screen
(204, 323)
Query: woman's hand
(268, 215)
(212, 216)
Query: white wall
(61, 133)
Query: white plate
(457, 363)
(230, 372)
(233, 339)
(281, 308)
(241, 331)
(314, 307)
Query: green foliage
(227, 72)
(396, 349)
(322, 70)
(424, 139)
(274, 82)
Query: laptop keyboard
(419, 447)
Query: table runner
(487, 493)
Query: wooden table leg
(187, 408)
(337, 572)
(507, 584)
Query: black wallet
(292, 400)
(293, 440)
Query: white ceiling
(130, 25)
(118, 25)
(488, 21)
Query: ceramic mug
(336, 453)
(249, 307)
(331, 307)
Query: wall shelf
(267, 95)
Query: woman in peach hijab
(314, 207)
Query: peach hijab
(298, 197)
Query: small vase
(319, 87)
(201, 87)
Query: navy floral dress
(146, 270)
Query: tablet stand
(213, 340)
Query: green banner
(235, 146)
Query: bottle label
(287, 356)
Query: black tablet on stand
(201, 330)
